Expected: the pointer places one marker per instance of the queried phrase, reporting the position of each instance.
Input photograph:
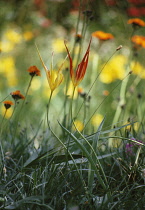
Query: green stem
(48, 106)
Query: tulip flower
(54, 77)
(78, 75)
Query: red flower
(78, 75)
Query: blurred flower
(13, 35)
(130, 147)
(34, 71)
(28, 35)
(115, 69)
(134, 11)
(16, 95)
(136, 22)
(102, 35)
(58, 45)
(96, 120)
(138, 69)
(8, 104)
(138, 41)
(8, 69)
(6, 46)
(78, 75)
(79, 125)
(105, 92)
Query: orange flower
(16, 95)
(138, 40)
(78, 75)
(102, 35)
(8, 104)
(136, 22)
(33, 70)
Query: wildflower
(113, 71)
(102, 35)
(78, 76)
(58, 45)
(138, 41)
(54, 77)
(13, 35)
(79, 125)
(28, 35)
(8, 104)
(130, 147)
(34, 71)
(136, 22)
(96, 120)
(16, 95)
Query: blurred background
(48, 23)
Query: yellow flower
(13, 35)
(54, 77)
(58, 45)
(28, 35)
(7, 64)
(136, 67)
(115, 69)
(79, 125)
(6, 46)
(96, 120)
(8, 69)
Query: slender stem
(71, 107)
(1, 147)
(4, 98)
(105, 99)
(48, 106)
(95, 81)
